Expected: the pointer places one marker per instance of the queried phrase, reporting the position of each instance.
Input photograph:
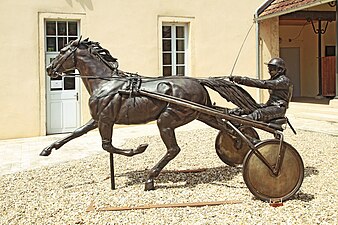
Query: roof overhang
(266, 11)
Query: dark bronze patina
(117, 97)
(280, 89)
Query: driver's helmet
(278, 62)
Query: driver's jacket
(280, 89)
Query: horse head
(65, 60)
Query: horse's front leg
(106, 132)
(90, 125)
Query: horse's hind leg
(90, 125)
(166, 123)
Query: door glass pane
(166, 31)
(51, 44)
(179, 45)
(179, 58)
(166, 59)
(166, 45)
(62, 28)
(166, 70)
(50, 28)
(330, 50)
(62, 42)
(180, 70)
(69, 83)
(72, 28)
(180, 32)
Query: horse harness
(134, 85)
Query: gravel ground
(61, 194)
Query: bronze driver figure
(280, 89)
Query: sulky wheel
(260, 179)
(233, 150)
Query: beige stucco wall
(130, 30)
(269, 47)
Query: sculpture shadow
(177, 179)
(305, 197)
(310, 170)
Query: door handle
(77, 96)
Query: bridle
(64, 59)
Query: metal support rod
(112, 173)
(251, 145)
(280, 156)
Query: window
(59, 33)
(174, 49)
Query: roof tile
(283, 5)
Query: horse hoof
(45, 152)
(141, 148)
(108, 147)
(149, 185)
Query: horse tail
(231, 92)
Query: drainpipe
(258, 11)
(258, 56)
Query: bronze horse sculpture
(108, 107)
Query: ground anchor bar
(157, 206)
(112, 173)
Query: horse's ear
(77, 41)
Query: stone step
(319, 112)
(314, 117)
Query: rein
(114, 76)
(79, 75)
(128, 75)
(115, 73)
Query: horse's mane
(102, 53)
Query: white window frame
(57, 36)
(173, 51)
(189, 22)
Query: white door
(63, 108)
(292, 61)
